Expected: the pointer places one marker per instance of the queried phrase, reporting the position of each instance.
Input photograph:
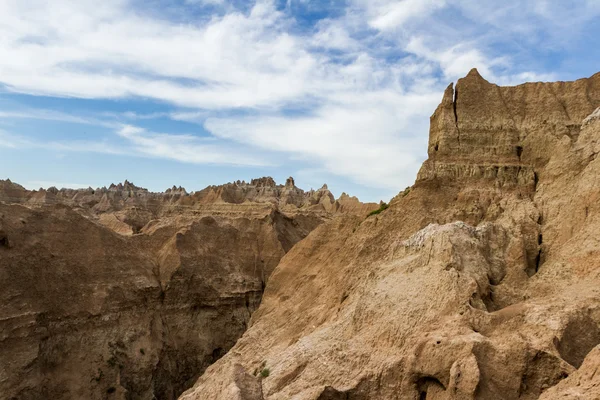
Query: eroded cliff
(481, 281)
(121, 293)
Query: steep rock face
(66, 291)
(504, 133)
(122, 293)
(479, 282)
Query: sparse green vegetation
(265, 372)
(381, 208)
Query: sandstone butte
(481, 281)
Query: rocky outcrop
(126, 203)
(481, 281)
(582, 384)
(481, 130)
(287, 197)
(122, 293)
(12, 192)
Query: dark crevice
(538, 258)
(428, 384)
(454, 106)
(488, 298)
(536, 179)
(330, 393)
(519, 151)
(538, 261)
(217, 354)
(534, 262)
(344, 297)
(456, 115)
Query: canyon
(480, 281)
(122, 293)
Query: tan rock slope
(119, 293)
(481, 281)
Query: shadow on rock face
(4, 242)
(329, 393)
(579, 338)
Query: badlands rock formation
(119, 293)
(481, 281)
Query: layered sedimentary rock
(128, 208)
(121, 293)
(481, 281)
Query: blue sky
(200, 92)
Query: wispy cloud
(138, 142)
(51, 115)
(7, 140)
(16, 141)
(386, 15)
(355, 140)
(349, 94)
(186, 148)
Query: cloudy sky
(199, 92)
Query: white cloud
(141, 143)
(110, 52)
(186, 148)
(15, 141)
(51, 115)
(390, 15)
(206, 2)
(357, 140)
(365, 81)
(332, 34)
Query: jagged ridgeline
(122, 293)
(481, 281)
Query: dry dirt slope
(482, 281)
